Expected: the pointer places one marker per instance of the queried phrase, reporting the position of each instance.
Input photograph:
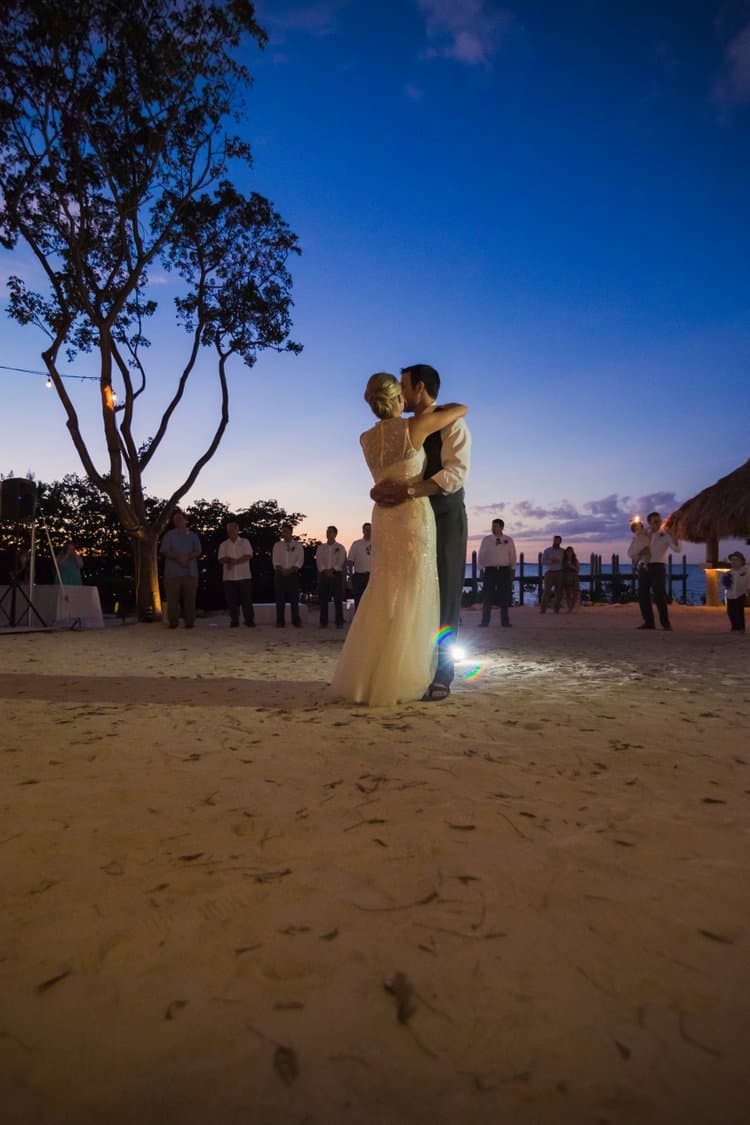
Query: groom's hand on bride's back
(388, 493)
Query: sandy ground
(225, 900)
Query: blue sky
(546, 201)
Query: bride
(389, 655)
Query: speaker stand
(15, 588)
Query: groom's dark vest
(433, 447)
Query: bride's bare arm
(422, 425)
(390, 493)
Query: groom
(447, 466)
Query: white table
(67, 606)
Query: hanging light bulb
(48, 383)
(114, 396)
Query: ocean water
(695, 586)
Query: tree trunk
(712, 551)
(147, 596)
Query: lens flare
(457, 652)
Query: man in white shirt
(359, 560)
(652, 578)
(330, 559)
(234, 555)
(552, 563)
(288, 558)
(497, 561)
(447, 457)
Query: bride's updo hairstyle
(381, 393)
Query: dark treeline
(72, 508)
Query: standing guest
(359, 560)
(737, 583)
(570, 587)
(497, 561)
(330, 559)
(552, 561)
(69, 564)
(288, 558)
(652, 578)
(234, 555)
(638, 551)
(181, 549)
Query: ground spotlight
(458, 653)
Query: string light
(48, 381)
(31, 371)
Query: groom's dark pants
(451, 527)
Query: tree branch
(192, 476)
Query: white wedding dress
(389, 655)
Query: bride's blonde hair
(381, 392)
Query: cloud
(467, 31)
(733, 85)
(565, 511)
(593, 522)
(498, 506)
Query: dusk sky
(547, 201)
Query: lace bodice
(389, 452)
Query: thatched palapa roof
(721, 511)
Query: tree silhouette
(115, 157)
(73, 508)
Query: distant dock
(615, 585)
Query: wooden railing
(615, 585)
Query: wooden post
(473, 577)
(712, 551)
(520, 579)
(684, 579)
(615, 592)
(713, 597)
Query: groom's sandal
(435, 693)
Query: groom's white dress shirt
(455, 454)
